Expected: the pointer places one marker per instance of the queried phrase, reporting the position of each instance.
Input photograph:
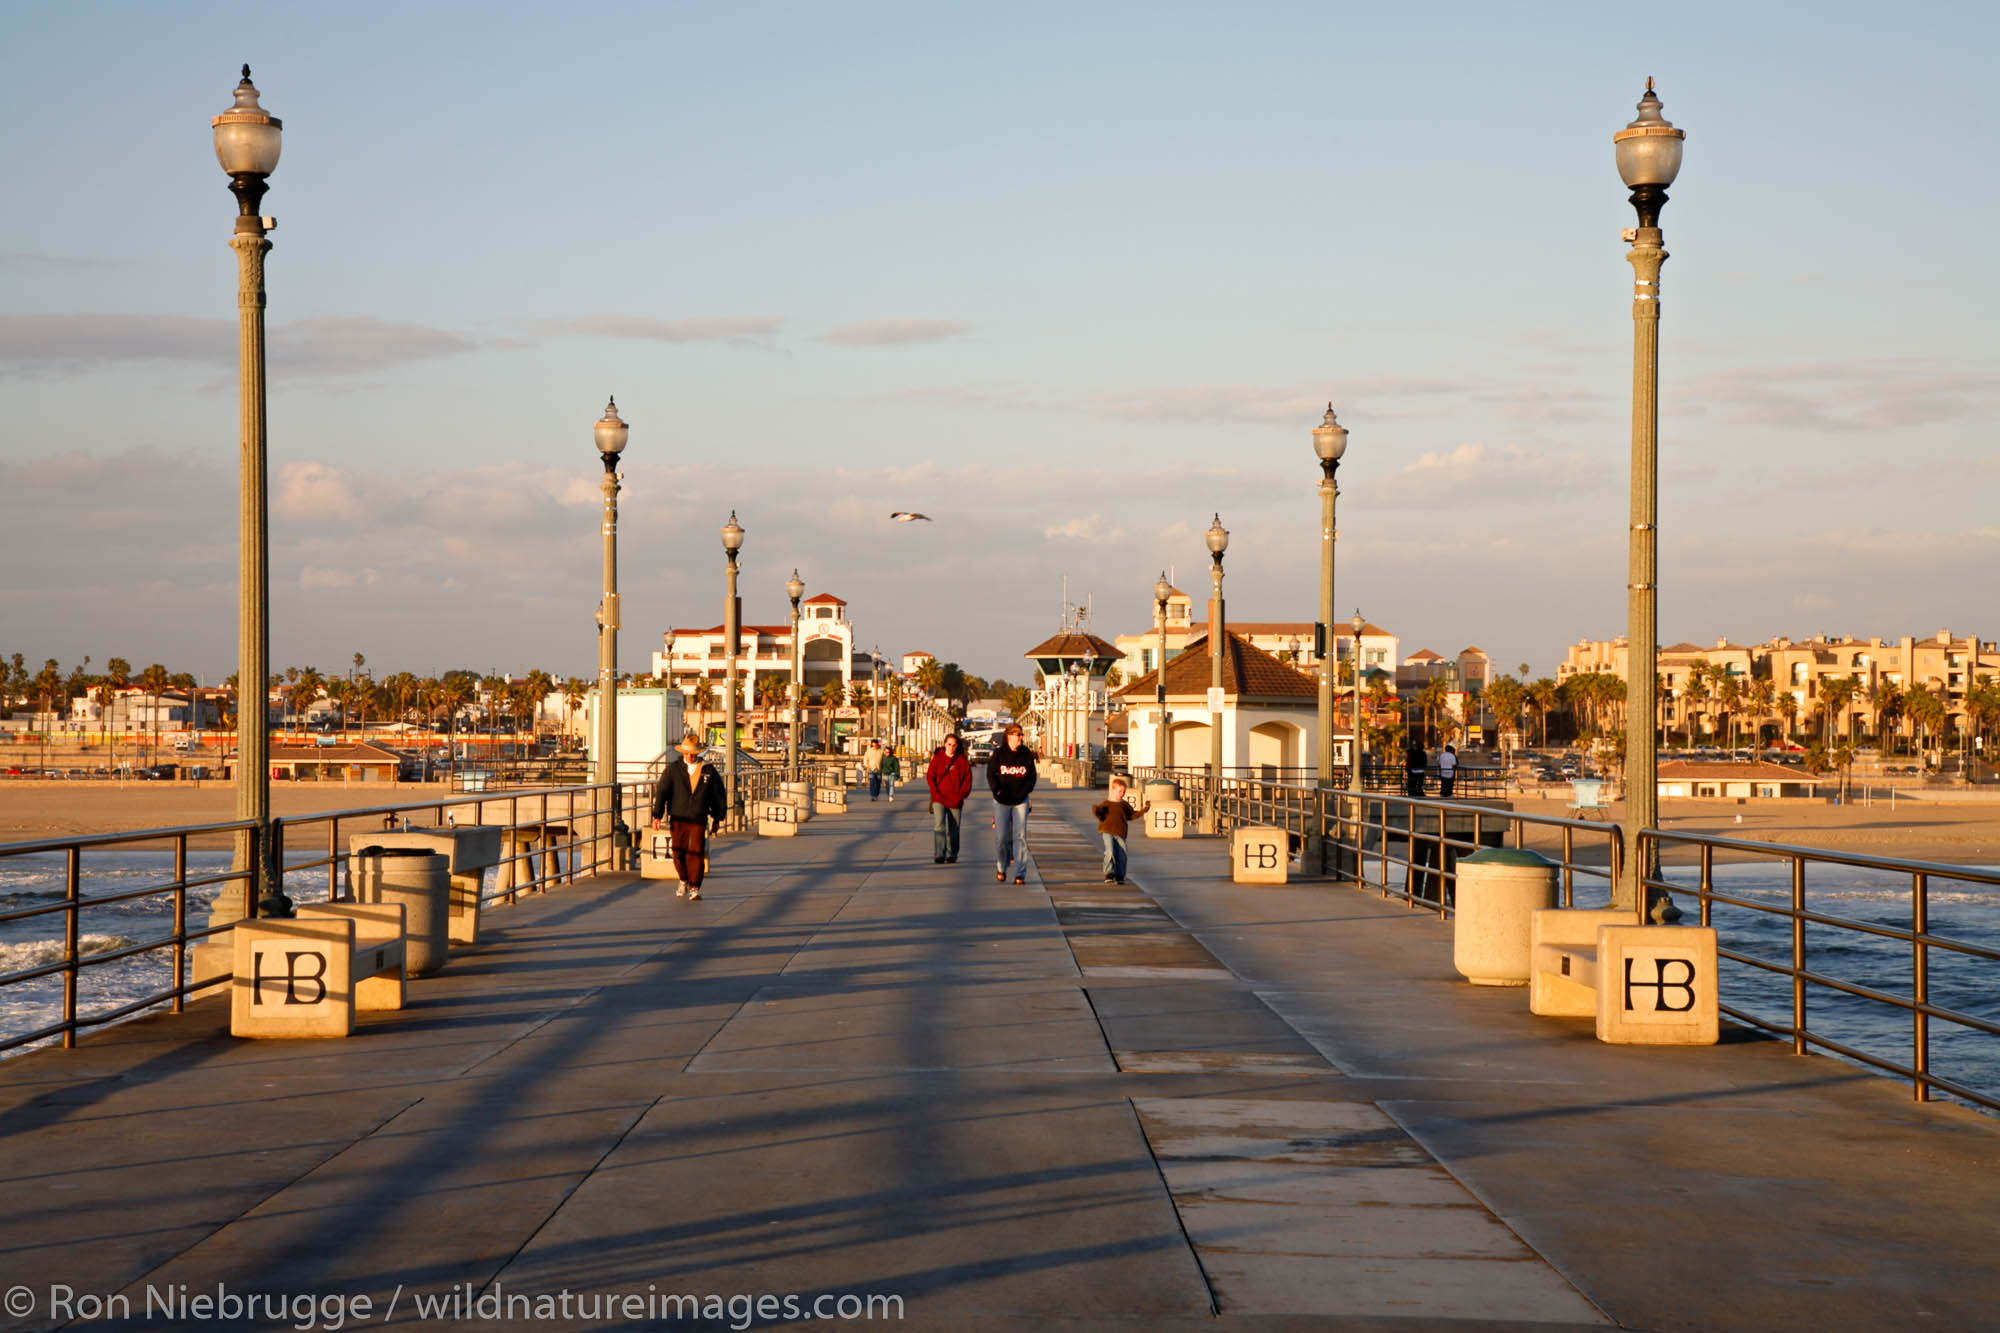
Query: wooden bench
(1644, 985)
(306, 976)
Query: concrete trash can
(421, 882)
(1499, 891)
(1159, 789)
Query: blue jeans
(1114, 855)
(874, 783)
(1010, 839)
(944, 831)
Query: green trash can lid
(1507, 856)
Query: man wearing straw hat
(691, 798)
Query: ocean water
(1959, 909)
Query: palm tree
(154, 679)
(1729, 696)
(574, 691)
(305, 689)
(929, 675)
(1927, 714)
(1432, 700)
(1834, 696)
(1696, 694)
(1762, 693)
(1542, 697)
(1506, 696)
(1887, 701)
(704, 700)
(1788, 709)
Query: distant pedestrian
(871, 763)
(950, 779)
(1010, 775)
(1414, 764)
(891, 770)
(691, 798)
(1447, 770)
(1114, 822)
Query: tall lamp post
(1079, 717)
(1164, 755)
(732, 631)
(247, 144)
(1649, 157)
(1217, 537)
(609, 434)
(795, 588)
(1354, 775)
(1329, 442)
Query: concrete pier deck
(849, 1071)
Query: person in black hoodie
(1010, 776)
(690, 796)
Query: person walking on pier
(691, 798)
(1414, 765)
(871, 762)
(1010, 775)
(891, 769)
(1447, 770)
(1114, 821)
(950, 779)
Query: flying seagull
(902, 516)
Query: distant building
(1270, 712)
(1290, 641)
(1757, 780)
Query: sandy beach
(1956, 832)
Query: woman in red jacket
(950, 779)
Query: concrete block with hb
(305, 976)
(777, 819)
(1166, 819)
(1646, 985)
(1259, 854)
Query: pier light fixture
(1163, 751)
(1354, 774)
(1217, 538)
(1649, 158)
(248, 140)
(732, 634)
(1329, 446)
(609, 434)
(795, 588)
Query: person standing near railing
(1414, 764)
(1447, 770)
(691, 798)
(950, 780)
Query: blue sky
(1069, 277)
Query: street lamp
(1354, 776)
(609, 435)
(1649, 157)
(732, 630)
(1217, 537)
(1079, 714)
(795, 588)
(247, 142)
(1164, 755)
(1329, 443)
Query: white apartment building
(1290, 641)
(690, 656)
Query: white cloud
(1859, 395)
(324, 345)
(756, 330)
(897, 332)
(1090, 528)
(313, 492)
(1476, 473)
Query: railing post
(1920, 985)
(1798, 954)
(72, 891)
(180, 921)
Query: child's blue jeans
(1114, 855)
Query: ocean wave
(35, 953)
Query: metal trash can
(1159, 789)
(1499, 890)
(421, 882)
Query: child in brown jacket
(1114, 822)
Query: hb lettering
(1681, 988)
(1167, 818)
(1260, 856)
(292, 977)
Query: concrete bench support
(1258, 854)
(305, 976)
(1644, 985)
(1166, 819)
(830, 801)
(777, 819)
